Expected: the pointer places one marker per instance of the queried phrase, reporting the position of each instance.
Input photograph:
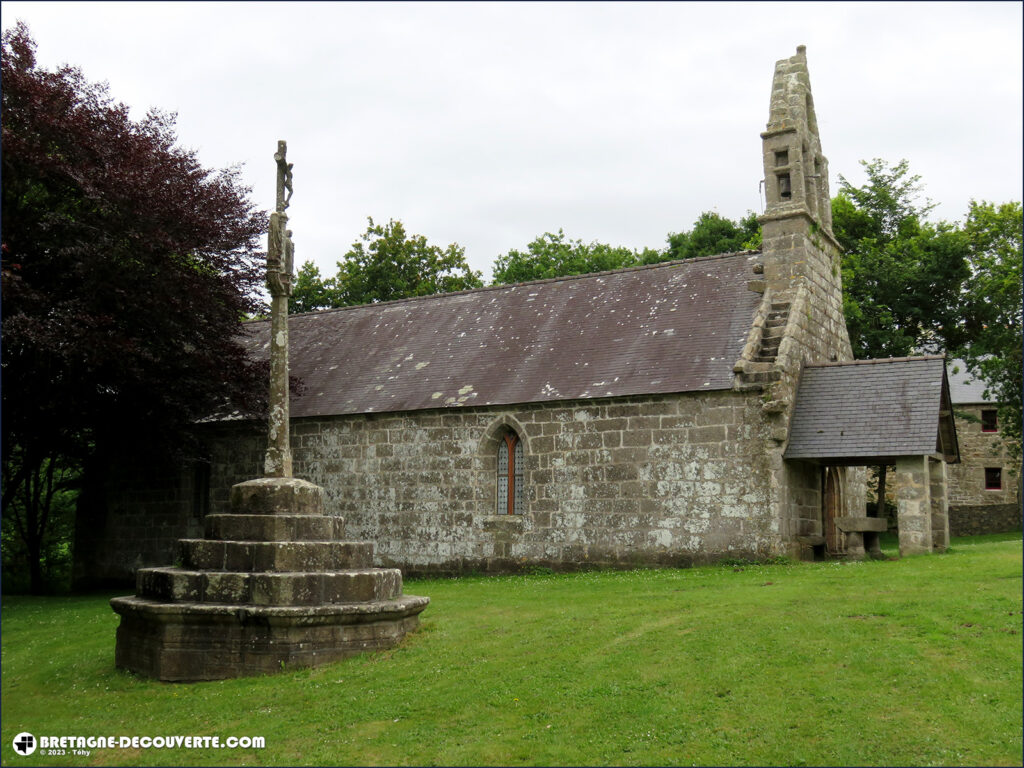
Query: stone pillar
(855, 545)
(940, 504)
(913, 505)
(278, 461)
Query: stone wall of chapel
(149, 506)
(653, 480)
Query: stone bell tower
(798, 244)
(796, 172)
(804, 297)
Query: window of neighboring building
(989, 423)
(510, 475)
(993, 478)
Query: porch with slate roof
(873, 412)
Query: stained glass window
(510, 495)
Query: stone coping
(406, 605)
(280, 588)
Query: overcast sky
(487, 124)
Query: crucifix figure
(280, 262)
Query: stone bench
(817, 545)
(862, 535)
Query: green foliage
(903, 277)
(554, 255)
(713, 234)
(389, 265)
(888, 201)
(38, 523)
(311, 292)
(774, 665)
(993, 352)
(384, 265)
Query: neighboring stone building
(640, 416)
(985, 488)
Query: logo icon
(24, 744)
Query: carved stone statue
(284, 177)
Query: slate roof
(672, 327)
(964, 387)
(868, 411)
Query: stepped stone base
(272, 587)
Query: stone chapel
(661, 415)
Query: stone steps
(273, 583)
(771, 337)
(263, 556)
(275, 527)
(762, 377)
(758, 367)
(179, 585)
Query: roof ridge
(507, 286)
(875, 361)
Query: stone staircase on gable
(774, 328)
(757, 368)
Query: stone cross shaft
(280, 263)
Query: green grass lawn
(899, 662)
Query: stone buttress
(273, 586)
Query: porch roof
(873, 412)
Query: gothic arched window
(510, 475)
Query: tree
(993, 353)
(312, 292)
(384, 265)
(902, 276)
(712, 234)
(126, 269)
(38, 524)
(554, 255)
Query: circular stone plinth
(187, 642)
